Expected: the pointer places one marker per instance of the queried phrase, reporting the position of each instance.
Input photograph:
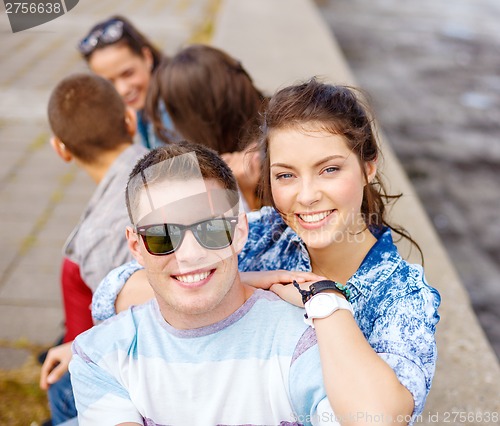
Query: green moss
(22, 402)
(27, 243)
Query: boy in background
(93, 128)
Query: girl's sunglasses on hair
(110, 32)
(165, 238)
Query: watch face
(322, 305)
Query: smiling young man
(207, 349)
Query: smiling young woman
(320, 175)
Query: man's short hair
(88, 115)
(205, 162)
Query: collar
(215, 327)
(122, 164)
(377, 266)
(279, 227)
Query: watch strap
(320, 286)
(306, 294)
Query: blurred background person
(93, 128)
(211, 100)
(116, 50)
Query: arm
(375, 385)
(99, 397)
(104, 299)
(135, 291)
(391, 372)
(404, 337)
(266, 279)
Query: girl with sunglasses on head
(116, 50)
(329, 218)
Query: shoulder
(128, 158)
(405, 278)
(406, 294)
(385, 281)
(264, 220)
(393, 293)
(260, 237)
(273, 313)
(281, 330)
(384, 271)
(272, 244)
(117, 334)
(274, 306)
(408, 282)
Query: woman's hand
(290, 294)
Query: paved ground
(432, 71)
(41, 197)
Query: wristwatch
(323, 305)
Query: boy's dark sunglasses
(109, 33)
(165, 238)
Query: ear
(148, 57)
(130, 121)
(134, 245)
(241, 233)
(60, 149)
(371, 170)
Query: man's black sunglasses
(165, 238)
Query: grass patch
(22, 402)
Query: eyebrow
(319, 163)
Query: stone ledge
(284, 41)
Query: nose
(190, 252)
(308, 193)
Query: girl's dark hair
(131, 37)
(338, 110)
(209, 96)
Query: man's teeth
(310, 218)
(192, 278)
